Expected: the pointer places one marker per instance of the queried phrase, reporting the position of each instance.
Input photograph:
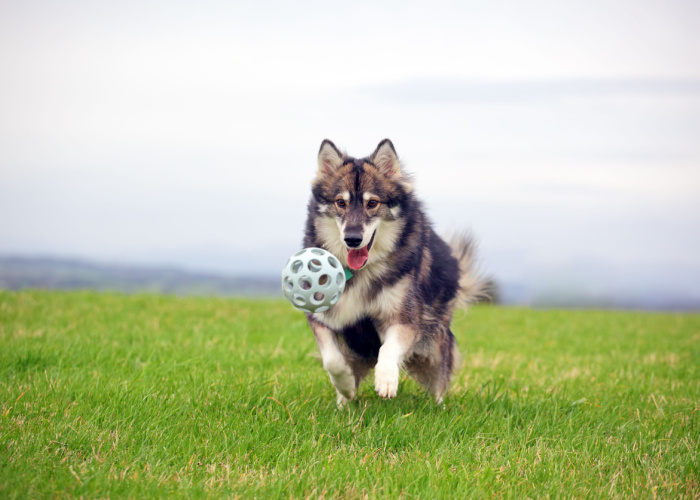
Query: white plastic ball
(313, 280)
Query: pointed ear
(329, 159)
(386, 160)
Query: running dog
(406, 281)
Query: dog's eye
(372, 203)
(340, 202)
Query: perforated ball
(313, 280)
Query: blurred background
(170, 145)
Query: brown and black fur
(396, 310)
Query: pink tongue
(357, 258)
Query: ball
(313, 280)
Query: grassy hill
(150, 395)
(19, 273)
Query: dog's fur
(397, 308)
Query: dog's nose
(353, 240)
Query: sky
(563, 134)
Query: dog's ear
(386, 160)
(329, 159)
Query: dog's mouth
(357, 257)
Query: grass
(105, 395)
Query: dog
(406, 282)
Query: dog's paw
(386, 380)
(344, 384)
(346, 393)
(342, 401)
(341, 377)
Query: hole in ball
(318, 297)
(314, 265)
(299, 300)
(339, 279)
(335, 298)
(305, 283)
(288, 283)
(317, 251)
(333, 262)
(324, 280)
(296, 266)
(299, 252)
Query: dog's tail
(473, 286)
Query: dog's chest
(352, 306)
(362, 301)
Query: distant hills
(17, 273)
(20, 272)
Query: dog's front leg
(334, 363)
(397, 342)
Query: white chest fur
(355, 303)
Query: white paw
(341, 377)
(386, 380)
(342, 401)
(344, 383)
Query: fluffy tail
(473, 287)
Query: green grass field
(105, 395)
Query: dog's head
(359, 202)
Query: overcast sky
(565, 134)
